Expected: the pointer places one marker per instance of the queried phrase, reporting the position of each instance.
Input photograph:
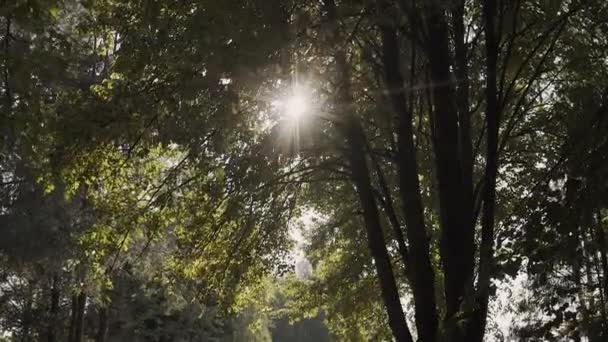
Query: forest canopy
(303, 170)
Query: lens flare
(296, 106)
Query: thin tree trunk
(7, 88)
(82, 299)
(600, 242)
(583, 327)
(53, 311)
(389, 208)
(486, 250)
(457, 234)
(102, 329)
(77, 319)
(461, 71)
(587, 250)
(421, 272)
(73, 318)
(26, 319)
(375, 235)
(360, 174)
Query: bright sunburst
(296, 105)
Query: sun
(297, 105)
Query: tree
(514, 70)
(448, 146)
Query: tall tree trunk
(461, 71)
(73, 318)
(82, 300)
(600, 242)
(389, 208)
(587, 251)
(77, 319)
(420, 271)
(375, 236)
(583, 326)
(486, 250)
(457, 234)
(26, 318)
(360, 174)
(53, 311)
(102, 329)
(6, 72)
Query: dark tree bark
(602, 265)
(389, 208)
(82, 299)
(26, 318)
(77, 319)
(375, 236)
(102, 329)
(420, 272)
(486, 250)
(457, 234)
(601, 243)
(7, 88)
(583, 326)
(461, 70)
(73, 318)
(53, 311)
(356, 155)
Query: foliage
(151, 181)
